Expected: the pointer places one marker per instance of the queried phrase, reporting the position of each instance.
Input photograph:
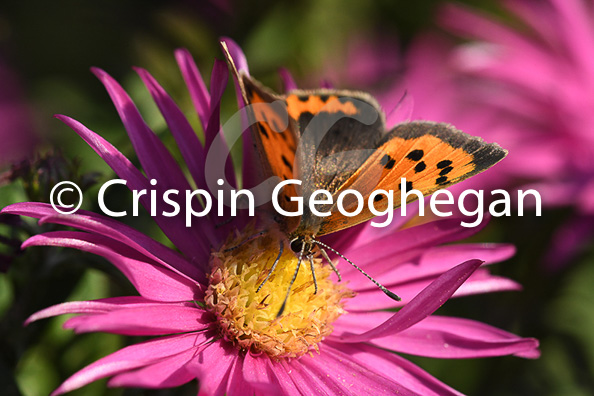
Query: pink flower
(538, 82)
(201, 306)
(528, 86)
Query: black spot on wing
(445, 171)
(441, 180)
(286, 162)
(415, 155)
(304, 119)
(420, 167)
(387, 162)
(263, 131)
(408, 187)
(443, 164)
(378, 198)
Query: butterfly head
(299, 244)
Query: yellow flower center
(248, 318)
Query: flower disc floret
(248, 317)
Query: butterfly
(337, 140)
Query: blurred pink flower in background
(538, 81)
(339, 342)
(17, 138)
(527, 85)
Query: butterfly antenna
(282, 308)
(325, 255)
(280, 253)
(382, 288)
(313, 272)
(222, 223)
(251, 238)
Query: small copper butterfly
(337, 140)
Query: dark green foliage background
(51, 46)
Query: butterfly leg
(282, 308)
(325, 255)
(313, 272)
(280, 253)
(251, 238)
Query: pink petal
(150, 279)
(339, 370)
(156, 319)
(284, 374)
(287, 79)
(167, 373)
(390, 365)
(357, 323)
(132, 357)
(219, 77)
(441, 337)
(213, 365)
(185, 137)
(89, 307)
(258, 372)
(457, 338)
(423, 305)
(198, 92)
(309, 381)
(236, 385)
(481, 281)
(220, 148)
